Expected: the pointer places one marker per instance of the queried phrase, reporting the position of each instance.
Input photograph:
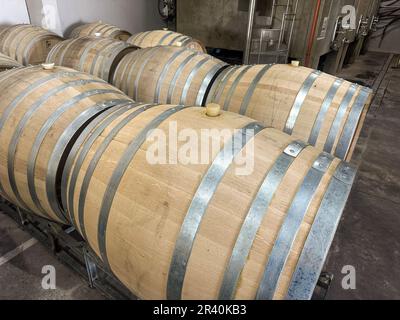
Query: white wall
(13, 12)
(131, 15)
(45, 13)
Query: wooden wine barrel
(225, 228)
(7, 63)
(100, 29)
(94, 55)
(41, 112)
(165, 38)
(167, 75)
(27, 44)
(316, 107)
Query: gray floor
(21, 277)
(367, 238)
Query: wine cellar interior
(199, 150)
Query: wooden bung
(213, 110)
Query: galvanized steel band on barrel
(351, 124)
(28, 90)
(139, 109)
(43, 132)
(254, 218)
(221, 82)
(334, 131)
(118, 174)
(164, 72)
(298, 103)
(199, 204)
(60, 148)
(323, 111)
(38, 140)
(319, 239)
(290, 227)
(178, 72)
(252, 87)
(234, 86)
(73, 153)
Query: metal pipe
(252, 10)
(312, 34)
(291, 29)
(273, 13)
(283, 25)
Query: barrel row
(7, 63)
(325, 111)
(146, 39)
(27, 44)
(76, 150)
(165, 38)
(94, 55)
(100, 29)
(211, 233)
(321, 109)
(184, 75)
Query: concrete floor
(21, 277)
(367, 238)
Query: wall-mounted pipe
(312, 34)
(252, 10)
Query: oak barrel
(165, 38)
(7, 63)
(321, 109)
(204, 231)
(94, 55)
(41, 112)
(100, 29)
(167, 74)
(28, 44)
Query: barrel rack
(69, 247)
